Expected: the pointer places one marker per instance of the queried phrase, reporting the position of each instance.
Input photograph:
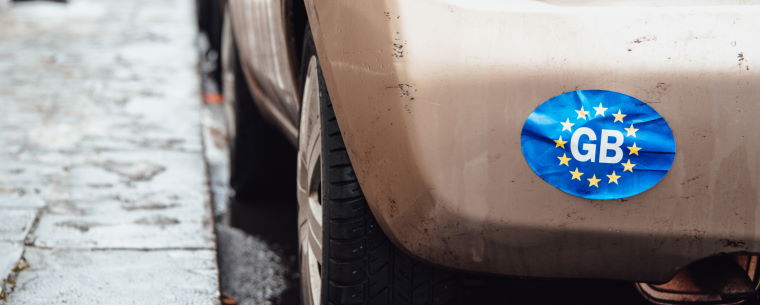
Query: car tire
(349, 260)
(254, 142)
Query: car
(209, 14)
(552, 139)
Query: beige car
(412, 121)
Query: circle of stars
(613, 177)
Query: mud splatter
(398, 48)
(641, 40)
(742, 61)
(645, 39)
(406, 90)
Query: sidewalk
(103, 190)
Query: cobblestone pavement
(103, 193)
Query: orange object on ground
(213, 98)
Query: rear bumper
(432, 95)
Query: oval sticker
(598, 144)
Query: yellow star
(560, 143)
(564, 159)
(613, 178)
(576, 174)
(633, 150)
(618, 116)
(566, 125)
(593, 181)
(600, 110)
(628, 166)
(582, 113)
(631, 131)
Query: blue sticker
(598, 144)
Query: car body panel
(260, 36)
(431, 96)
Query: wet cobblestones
(102, 180)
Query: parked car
(210, 14)
(562, 139)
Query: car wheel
(345, 258)
(254, 142)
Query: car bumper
(431, 96)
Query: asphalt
(254, 271)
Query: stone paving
(103, 192)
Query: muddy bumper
(432, 96)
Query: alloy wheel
(309, 189)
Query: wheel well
(296, 22)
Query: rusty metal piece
(723, 276)
(715, 280)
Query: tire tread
(364, 266)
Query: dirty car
(561, 138)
